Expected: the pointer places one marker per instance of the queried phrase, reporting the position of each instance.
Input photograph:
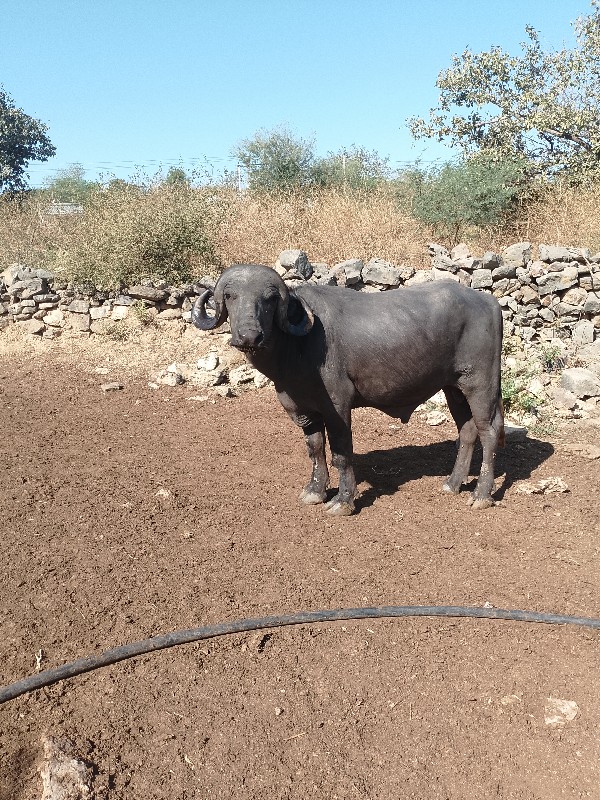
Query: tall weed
(174, 232)
(330, 226)
(563, 215)
(28, 235)
(131, 233)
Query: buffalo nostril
(249, 338)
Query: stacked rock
(555, 295)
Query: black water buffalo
(329, 350)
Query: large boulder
(592, 303)
(444, 263)
(552, 282)
(517, 255)
(481, 279)
(54, 318)
(437, 250)
(148, 293)
(504, 271)
(551, 253)
(78, 322)
(349, 272)
(420, 276)
(25, 289)
(294, 263)
(583, 332)
(378, 272)
(79, 307)
(460, 252)
(582, 382)
(491, 260)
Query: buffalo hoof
(450, 489)
(481, 502)
(311, 498)
(339, 508)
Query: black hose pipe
(112, 656)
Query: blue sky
(124, 84)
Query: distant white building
(55, 209)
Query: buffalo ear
(295, 315)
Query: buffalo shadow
(387, 470)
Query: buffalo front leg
(315, 490)
(313, 429)
(340, 442)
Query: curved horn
(300, 328)
(199, 316)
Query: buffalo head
(255, 299)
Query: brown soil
(93, 557)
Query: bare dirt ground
(92, 557)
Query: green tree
(276, 160)
(177, 177)
(119, 184)
(22, 139)
(479, 192)
(353, 167)
(70, 186)
(541, 105)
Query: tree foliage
(353, 168)
(543, 106)
(478, 192)
(22, 139)
(176, 176)
(134, 232)
(70, 186)
(278, 160)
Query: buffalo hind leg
(339, 432)
(315, 490)
(490, 427)
(467, 436)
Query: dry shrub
(28, 235)
(173, 233)
(330, 226)
(131, 233)
(565, 216)
(559, 215)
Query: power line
(203, 160)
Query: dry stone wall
(556, 295)
(550, 304)
(553, 295)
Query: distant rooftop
(64, 208)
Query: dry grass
(30, 236)
(330, 227)
(129, 234)
(335, 225)
(564, 216)
(126, 234)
